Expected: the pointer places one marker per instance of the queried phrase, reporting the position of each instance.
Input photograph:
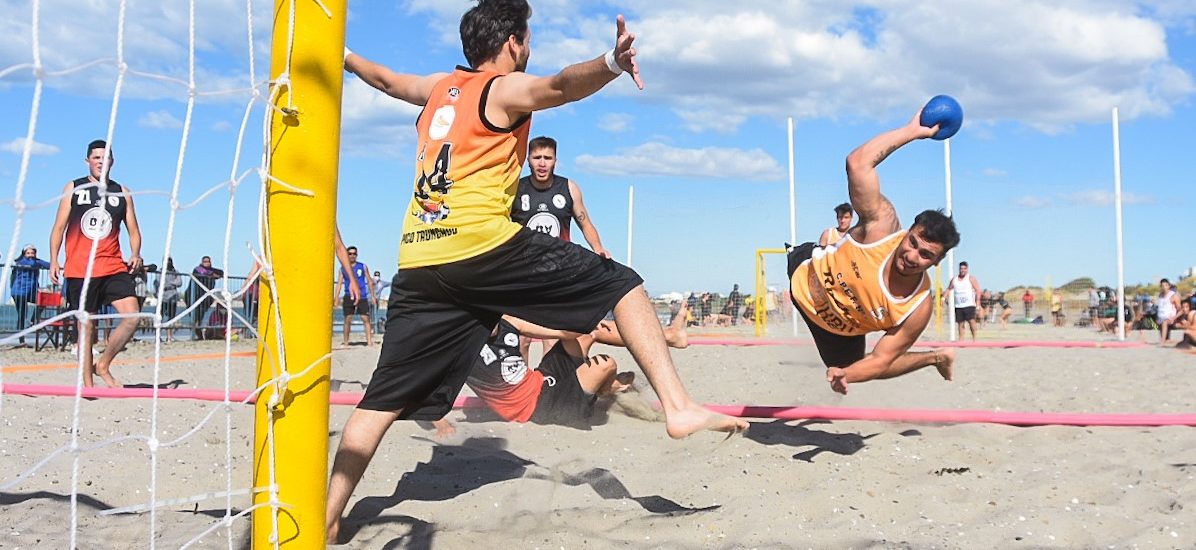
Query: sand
(784, 484)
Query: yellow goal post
(758, 301)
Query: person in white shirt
(963, 290)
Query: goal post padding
(303, 151)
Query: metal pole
(630, 221)
(951, 253)
(792, 213)
(1120, 242)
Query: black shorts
(362, 307)
(836, 350)
(101, 292)
(562, 400)
(438, 317)
(965, 314)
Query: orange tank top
(466, 171)
(842, 287)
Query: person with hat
(23, 289)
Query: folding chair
(60, 333)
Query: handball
(944, 111)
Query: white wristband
(610, 62)
(348, 52)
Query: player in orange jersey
(874, 279)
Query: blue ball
(944, 111)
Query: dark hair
(961, 264)
(844, 208)
(938, 227)
(96, 144)
(1161, 281)
(541, 142)
(208, 258)
(353, 248)
(486, 26)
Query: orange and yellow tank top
(842, 287)
(833, 236)
(466, 171)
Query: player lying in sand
(565, 386)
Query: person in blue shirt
(24, 284)
(354, 306)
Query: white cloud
(1048, 65)
(658, 159)
(222, 126)
(155, 41)
(374, 124)
(1100, 197)
(615, 123)
(162, 119)
(1090, 197)
(18, 146)
(994, 172)
(1029, 201)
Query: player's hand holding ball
(942, 111)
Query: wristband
(348, 52)
(610, 62)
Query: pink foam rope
(750, 342)
(913, 416)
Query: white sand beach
(783, 484)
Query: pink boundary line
(914, 416)
(750, 342)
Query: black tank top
(548, 211)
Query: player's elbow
(858, 163)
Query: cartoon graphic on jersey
(431, 189)
(545, 222)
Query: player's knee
(603, 364)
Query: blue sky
(704, 144)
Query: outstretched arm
(878, 218)
(413, 89)
(517, 94)
(585, 223)
(532, 330)
(892, 345)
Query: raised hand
(625, 52)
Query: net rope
(220, 294)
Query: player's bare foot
(105, 374)
(676, 334)
(444, 429)
(944, 361)
(694, 418)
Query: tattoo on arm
(880, 157)
(581, 216)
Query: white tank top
(965, 295)
(1166, 309)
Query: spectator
(1028, 301)
(171, 280)
(1057, 307)
(1167, 309)
(204, 279)
(23, 286)
(249, 298)
(734, 304)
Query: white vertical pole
(951, 253)
(1117, 208)
(630, 221)
(792, 215)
